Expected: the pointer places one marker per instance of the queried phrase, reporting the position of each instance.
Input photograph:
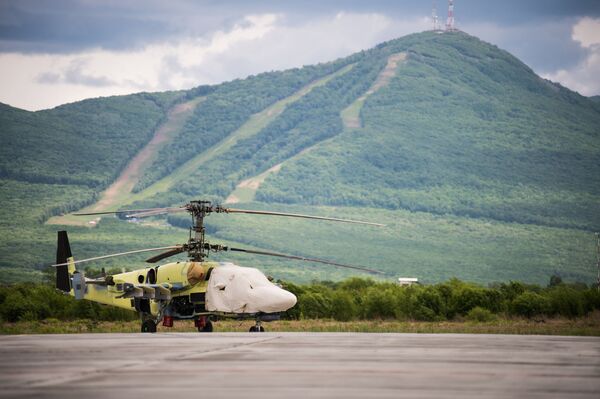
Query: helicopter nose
(275, 299)
(286, 300)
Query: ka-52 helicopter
(197, 289)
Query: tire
(253, 329)
(257, 329)
(148, 326)
(208, 327)
(262, 329)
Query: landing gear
(208, 327)
(148, 326)
(204, 325)
(257, 327)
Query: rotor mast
(197, 245)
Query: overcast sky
(60, 51)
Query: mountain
(480, 168)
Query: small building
(406, 281)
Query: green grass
(585, 326)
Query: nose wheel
(148, 326)
(204, 325)
(257, 327)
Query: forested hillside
(464, 129)
(480, 169)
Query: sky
(61, 51)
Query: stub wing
(158, 292)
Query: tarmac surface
(298, 365)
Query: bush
(530, 304)
(480, 314)
(380, 303)
(314, 305)
(343, 307)
(14, 307)
(466, 298)
(428, 305)
(566, 301)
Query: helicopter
(197, 289)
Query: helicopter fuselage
(187, 290)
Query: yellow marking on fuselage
(173, 275)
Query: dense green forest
(480, 169)
(351, 299)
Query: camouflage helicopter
(196, 290)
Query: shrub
(466, 298)
(315, 305)
(380, 303)
(428, 305)
(480, 314)
(566, 301)
(530, 304)
(343, 307)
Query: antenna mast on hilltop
(450, 20)
(434, 17)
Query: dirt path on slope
(351, 115)
(245, 191)
(133, 171)
(123, 185)
(251, 127)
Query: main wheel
(257, 329)
(148, 326)
(208, 327)
(253, 329)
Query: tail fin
(63, 253)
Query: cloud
(253, 44)
(74, 74)
(585, 76)
(587, 32)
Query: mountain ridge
(463, 131)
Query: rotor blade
(249, 251)
(155, 212)
(116, 212)
(164, 255)
(298, 215)
(118, 254)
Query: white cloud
(585, 76)
(587, 32)
(255, 44)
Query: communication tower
(450, 20)
(434, 17)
